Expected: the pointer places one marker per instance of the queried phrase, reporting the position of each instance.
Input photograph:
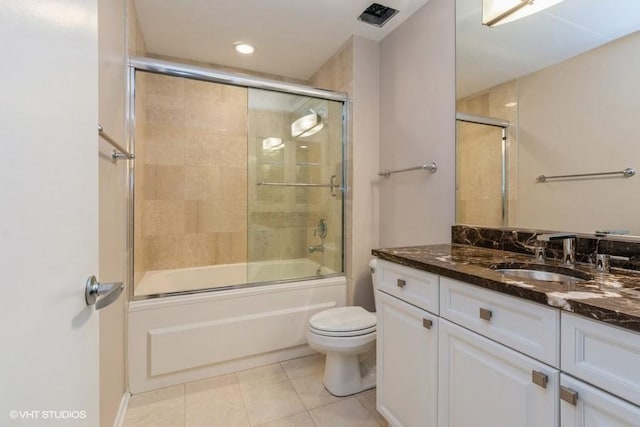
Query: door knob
(108, 291)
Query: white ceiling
(293, 38)
(486, 56)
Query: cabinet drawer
(408, 284)
(602, 355)
(586, 406)
(527, 327)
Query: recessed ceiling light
(244, 48)
(510, 104)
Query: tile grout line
(308, 411)
(184, 404)
(244, 404)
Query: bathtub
(217, 328)
(214, 277)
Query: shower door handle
(108, 291)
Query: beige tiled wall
(479, 163)
(191, 173)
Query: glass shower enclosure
(233, 185)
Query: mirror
(555, 93)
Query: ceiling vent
(377, 14)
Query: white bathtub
(217, 276)
(182, 338)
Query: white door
(49, 212)
(585, 406)
(407, 359)
(482, 383)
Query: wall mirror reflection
(554, 93)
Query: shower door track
(212, 75)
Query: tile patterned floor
(287, 394)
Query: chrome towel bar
(332, 185)
(431, 167)
(297, 184)
(119, 152)
(628, 172)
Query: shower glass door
(295, 199)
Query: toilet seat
(344, 334)
(343, 322)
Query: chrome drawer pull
(539, 378)
(427, 323)
(402, 283)
(568, 395)
(485, 314)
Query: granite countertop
(612, 297)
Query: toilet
(347, 335)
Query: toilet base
(349, 374)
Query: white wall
(581, 116)
(364, 166)
(417, 125)
(112, 95)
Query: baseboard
(122, 410)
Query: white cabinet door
(407, 354)
(482, 383)
(585, 406)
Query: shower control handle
(108, 291)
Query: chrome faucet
(319, 230)
(568, 246)
(316, 248)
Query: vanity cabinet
(451, 354)
(483, 383)
(407, 363)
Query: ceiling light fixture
(244, 48)
(498, 12)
